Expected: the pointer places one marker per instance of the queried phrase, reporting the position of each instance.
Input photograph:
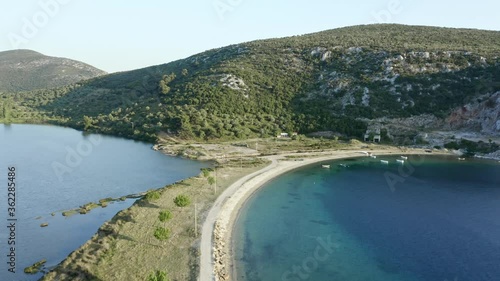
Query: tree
(87, 122)
(6, 110)
(165, 89)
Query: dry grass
(126, 249)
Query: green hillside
(25, 70)
(327, 81)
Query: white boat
(373, 156)
(325, 166)
(343, 165)
(384, 161)
(401, 161)
(404, 157)
(461, 159)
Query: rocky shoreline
(221, 253)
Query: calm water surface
(433, 219)
(59, 169)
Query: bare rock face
(481, 116)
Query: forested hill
(328, 81)
(26, 70)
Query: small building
(287, 135)
(373, 135)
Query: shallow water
(434, 218)
(59, 169)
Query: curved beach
(215, 246)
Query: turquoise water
(59, 169)
(433, 218)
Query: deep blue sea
(429, 219)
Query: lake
(429, 219)
(59, 169)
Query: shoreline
(216, 247)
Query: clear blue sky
(122, 35)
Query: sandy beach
(215, 248)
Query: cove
(349, 223)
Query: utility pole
(195, 220)
(215, 180)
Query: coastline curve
(215, 246)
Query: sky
(120, 35)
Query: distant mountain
(402, 79)
(26, 70)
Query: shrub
(205, 172)
(152, 196)
(165, 216)
(162, 233)
(182, 201)
(158, 276)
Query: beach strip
(216, 240)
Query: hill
(403, 79)
(25, 70)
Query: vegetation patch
(158, 276)
(182, 201)
(165, 216)
(35, 268)
(471, 148)
(69, 213)
(162, 233)
(152, 196)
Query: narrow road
(206, 245)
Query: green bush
(182, 201)
(165, 216)
(162, 233)
(205, 172)
(152, 196)
(158, 276)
